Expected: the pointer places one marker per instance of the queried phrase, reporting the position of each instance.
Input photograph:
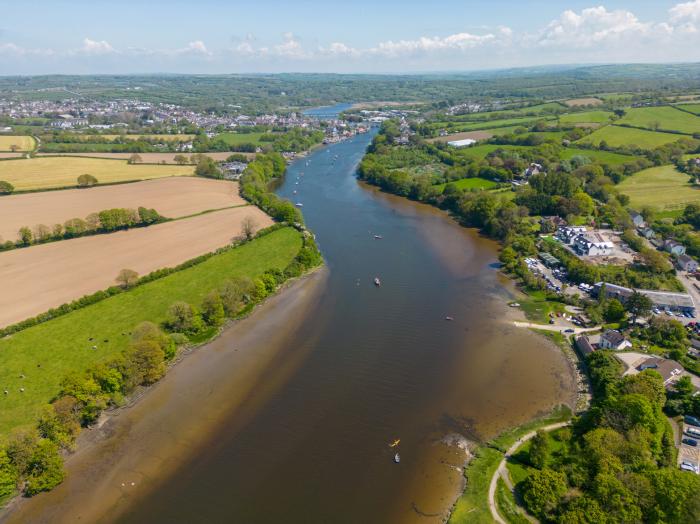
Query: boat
(294, 192)
(397, 458)
(378, 237)
(449, 318)
(299, 204)
(377, 282)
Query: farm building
(613, 339)
(549, 260)
(462, 143)
(660, 299)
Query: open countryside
(44, 354)
(617, 136)
(171, 197)
(665, 118)
(150, 158)
(55, 172)
(16, 143)
(142, 250)
(662, 188)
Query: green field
(617, 136)
(46, 353)
(662, 187)
(476, 126)
(592, 117)
(234, 139)
(665, 118)
(478, 152)
(693, 108)
(471, 183)
(604, 157)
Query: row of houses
(683, 261)
(661, 299)
(584, 242)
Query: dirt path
(554, 327)
(502, 472)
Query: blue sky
(210, 36)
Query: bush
(213, 309)
(6, 188)
(183, 318)
(86, 181)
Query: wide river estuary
(288, 416)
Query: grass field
(25, 143)
(577, 102)
(693, 108)
(172, 197)
(617, 136)
(593, 117)
(480, 151)
(471, 183)
(151, 158)
(50, 172)
(604, 157)
(664, 188)
(474, 135)
(475, 126)
(44, 354)
(40, 277)
(164, 138)
(234, 139)
(668, 118)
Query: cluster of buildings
(584, 242)
(666, 300)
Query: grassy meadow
(665, 118)
(587, 117)
(693, 108)
(616, 136)
(234, 139)
(46, 353)
(661, 187)
(471, 183)
(24, 143)
(51, 172)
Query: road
(502, 472)
(554, 327)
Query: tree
(127, 278)
(181, 159)
(92, 221)
(8, 475)
(542, 491)
(539, 449)
(14, 148)
(234, 294)
(146, 362)
(614, 311)
(25, 236)
(639, 305)
(151, 332)
(41, 232)
(45, 468)
(6, 188)
(135, 159)
(582, 510)
(206, 167)
(213, 309)
(86, 180)
(248, 226)
(183, 318)
(655, 261)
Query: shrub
(6, 188)
(213, 309)
(86, 181)
(183, 318)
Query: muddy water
(287, 417)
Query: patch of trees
(106, 221)
(6, 188)
(617, 464)
(208, 168)
(86, 181)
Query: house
(592, 245)
(647, 233)
(233, 170)
(637, 219)
(613, 339)
(660, 299)
(533, 169)
(567, 234)
(675, 248)
(584, 346)
(670, 370)
(686, 263)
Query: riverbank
(115, 462)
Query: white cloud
(96, 47)
(455, 42)
(197, 47)
(689, 11)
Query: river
(296, 426)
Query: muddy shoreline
(111, 463)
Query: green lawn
(477, 152)
(693, 108)
(604, 157)
(537, 307)
(663, 187)
(617, 136)
(665, 118)
(587, 117)
(234, 139)
(471, 183)
(46, 353)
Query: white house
(592, 245)
(612, 339)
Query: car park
(690, 442)
(686, 465)
(693, 421)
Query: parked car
(690, 442)
(692, 432)
(693, 421)
(568, 330)
(686, 465)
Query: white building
(462, 143)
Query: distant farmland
(660, 187)
(151, 158)
(24, 143)
(604, 157)
(594, 117)
(172, 197)
(663, 118)
(37, 278)
(50, 172)
(617, 136)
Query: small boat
(397, 458)
(395, 443)
(294, 192)
(299, 204)
(378, 237)
(377, 282)
(449, 318)
(514, 304)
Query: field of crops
(50, 172)
(665, 118)
(23, 143)
(617, 136)
(661, 187)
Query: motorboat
(299, 204)
(397, 458)
(378, 237)
(377, 282)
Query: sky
(352, 36)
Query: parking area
(689, 449)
